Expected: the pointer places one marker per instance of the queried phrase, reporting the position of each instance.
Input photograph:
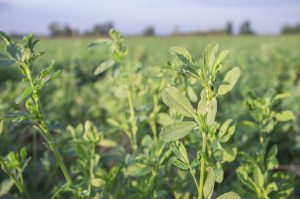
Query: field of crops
(145, 118)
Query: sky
(133, 16)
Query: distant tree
(291, 29)
(55, 29)
(102, 29)
(67, 31)
(246, 28)
(229, 28)
(149, 31)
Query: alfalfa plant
(23, 53)
(142, 166)
(257, 172)
(201, 119)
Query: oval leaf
(212, 111)
(97, 182)
(285, 116)
(182, 54)
(229, 195)
(221, 57)
(104, 66)
(209, 184)
(24, 95)
(137, 170)
(175, 99)
(180, 164)
(229, 81)
(258, 176)
(176, 131)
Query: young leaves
(209, 55)
(177, 130)
(258, 176)
(229, 81)
(183, 55)
(172, 97)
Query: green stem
(153, 129)
(202, 166)
(132, 120)
(45, 131)
(194, 177)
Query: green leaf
(258, 176)
(44, 73)
(271, 187)
(56, 75)
(228, 135)
(281, 96)
(107, 143)
(6, 61)
(219, 173)
(229, 81)
(14, 51)
(180, 151)
(137, 170)
(212, 111)
(245, 179)
(28, 91)
(221, 57)
(209, 55)
(5, 187)
(229, 153)
(195, 163)
(202, 107)
(229, 195)
(209, 184)
(191, 94)
(271, 160)
(285, 116)
(97, 182)
(99, 42)
(164, 119)
(224, 128)
(182, 54)
(175, 99)
(177, 130)
(104, 66)
(5, 38)
(180, 164)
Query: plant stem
(132, 120)
(44, 129)
(53, 148)
(194, 177)
(202, 166)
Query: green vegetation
(140, 118)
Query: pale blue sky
(132, 16)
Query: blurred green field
(267, 63)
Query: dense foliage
(110, 119)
